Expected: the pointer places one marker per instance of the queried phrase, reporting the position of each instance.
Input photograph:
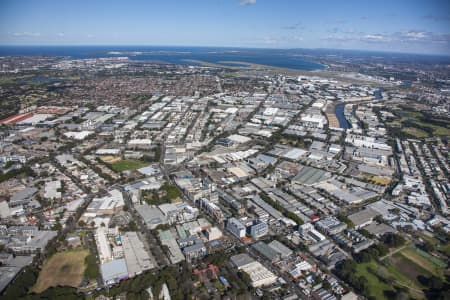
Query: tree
(81, 223)
(346, 220)
(435, 283)
(91, 270)
(382, 249)
(428, 246)
(393, 240)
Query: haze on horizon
(413, 26)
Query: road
(156, 254)
(395, 251)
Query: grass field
(127, 164)
(424, 260)
(445, 249)
(64, 268)
(415, 118)
(376, 286)
(404, 280)
(406, 266)
(402, 269)
(418, 133)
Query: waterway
(339, 111)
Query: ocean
(175, 55)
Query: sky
(411, 26)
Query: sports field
(127, 164)
(407, 265)
(416, 132)
(64, 268)
(424, 260)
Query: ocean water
(175, 55)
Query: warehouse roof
(266, 251)
(280, 248)
(309, 175)
(241, 260)
(113, 270)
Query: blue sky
(396, 25)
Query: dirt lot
(65, 268)
(109, 159)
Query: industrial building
(363, 217)
(236, 227)
(259, 275)
(114, 271)
(136, 257)
(258, 229)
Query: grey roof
(267, 158)
(280, 248)
(188, 239)
(7, 274)
(149, 170)
(24, 194)
(264, 205)
(152, 216)
(41, 239)
(136, 257)
(241, 260)
(309, 175)
(379, 229)
(363, 216)
(114, 269)
(193, 248)
(266, 251)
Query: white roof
(295, 153)
(78, 135)
(237, 138)
(140, 142)
(107, 151)
(231, 110)
(35, 119)
(51, 189)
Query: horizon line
(230, 47)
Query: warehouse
(114, 271)
(259, 275)
(309, 176)
(281, 249)
(136, 258)
(363, 217)
(151, 216)
(267, 252)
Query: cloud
(410, 37)
(416, 35)
(26, 34)
(90, 36)
(270, 40)
(247, 2)
(424, 37)
(61, 34)
(375, 38)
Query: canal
(339, 111)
